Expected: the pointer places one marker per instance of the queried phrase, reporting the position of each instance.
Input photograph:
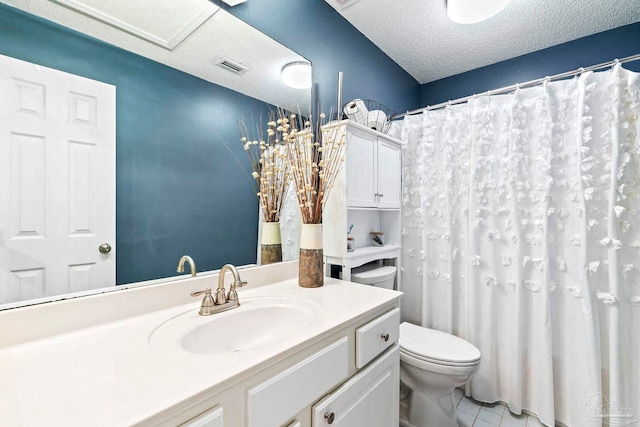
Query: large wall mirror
(184, 73)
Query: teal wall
(316, 31)
(586, 51)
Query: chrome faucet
(237, 283)
(221, 301)
(192, 265)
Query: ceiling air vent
(233, 66)
(343, 4)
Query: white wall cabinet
(367, 194)
(373, 170)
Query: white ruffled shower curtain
(521, 230)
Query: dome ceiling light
(297, 75)
(472, 11)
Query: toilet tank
(381, 276)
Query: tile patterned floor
(475, 414)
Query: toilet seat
(450, 371)
(436, 347)
(436, 361)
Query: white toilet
(432, 363)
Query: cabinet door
(211, 418)
(361, 173)
(276, 400)
(389, 173)
(368, 399)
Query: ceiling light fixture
(472, 11)
(297, 75)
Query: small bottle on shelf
(351, 244)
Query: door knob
(104, 248)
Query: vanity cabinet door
(211, 418)
(368, 399)
(278, 399)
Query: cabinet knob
(385, 337)
(329, 416)
(381, 195)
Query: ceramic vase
(270, 243)
(311, 274)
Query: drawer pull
(385, 337)
(329, 416)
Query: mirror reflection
(175, 180)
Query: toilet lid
(432, 345)
(372, 274)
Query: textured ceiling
(188, 35)
(418, 35)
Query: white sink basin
(258, 322)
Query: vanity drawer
(377, 336)
(283, 396)
(211, 418)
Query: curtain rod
(530, 83)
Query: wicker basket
(369, 113)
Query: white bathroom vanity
(288, 356)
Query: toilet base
(405, 423)
(431, 401)
(432, 411)
(431, 380)
(404, 408)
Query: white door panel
(389, 173)
(57, 182)
(361, 173)
(369, 399)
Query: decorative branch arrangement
(270, 164)
(315, 158)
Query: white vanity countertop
(112, 374)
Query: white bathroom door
(57, 182)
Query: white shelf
(362, 256)
(359, 208)
(363, 128)
(377, 251)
